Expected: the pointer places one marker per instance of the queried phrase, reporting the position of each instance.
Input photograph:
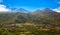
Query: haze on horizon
(31, 5)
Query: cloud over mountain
(3, 8)
(57, 9)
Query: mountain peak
(47, 9)
(22, 10)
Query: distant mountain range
(22, 10)
(45, 16)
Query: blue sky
(31, 4)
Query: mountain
(13, 9)
(45, 11)
(43, 21)
(21, 10)
(45, 16)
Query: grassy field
(28, 29)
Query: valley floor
(28, 29)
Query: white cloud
(4, 9)
(57, 9)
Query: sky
(30, 4)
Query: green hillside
(33, 23)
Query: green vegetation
(28, 30)
(29, 23)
